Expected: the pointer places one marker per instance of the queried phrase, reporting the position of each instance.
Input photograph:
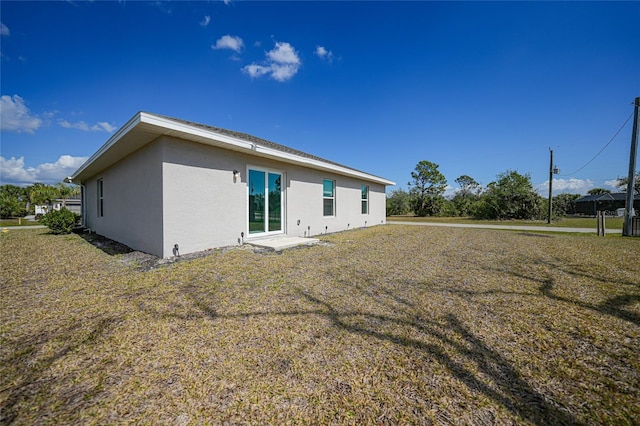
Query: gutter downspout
(83, 205)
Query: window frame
(331, 198)
(364, 199)
(100, 197)
(283, 194)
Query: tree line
(510, 196)
(17, 201)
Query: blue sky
(476, 87)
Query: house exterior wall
(132, 203)
(204, 208)
(304, 203)
(174, 191)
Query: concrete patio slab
(282, 242)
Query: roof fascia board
(134, 121)
(321, 165)
(192, 130)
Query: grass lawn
(384, 325)
(16, 222)
(566, 222)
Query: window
(100, 199)
(265, 201)
(329, 197)
(365, 199)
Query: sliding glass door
(265, 201)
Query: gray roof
(145, 127)
(250, 138)
(616, 196)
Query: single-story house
(607, 202)
(73, 204)
(161, 183)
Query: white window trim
(335, 190)
(100, 197)
(283, 201)
(364, 199)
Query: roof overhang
(144, 128)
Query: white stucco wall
(132, 201)
(178, 192)
(204, 208)
(304, 203)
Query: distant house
(610, 203)
(159, 182)
(73, 204)
(41, 209)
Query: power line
(604, 147)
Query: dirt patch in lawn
(385, 325)
(138, 260)
(143, 262)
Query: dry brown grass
(387, 325)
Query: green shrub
(60, 221)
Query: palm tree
(66, 191)
(39, 193)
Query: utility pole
(632, 169)
(552, 170)
(550, 185)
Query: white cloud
(103, 126)
(13, 170)
(205, 21)
(81, 125)
(4, 30)
(570, 186)
(322, 53)
(282, 63)
(255, 70)
(449, 191)
(283, 53)
(227, 2)
(614, 185)
(229, 42)
(163, 6)
(63, 167)
(15, 116)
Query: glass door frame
(266, 172)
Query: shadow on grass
(614, 306)
(510, 390)
(454, 346)
(30, 379)
(105, 244)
